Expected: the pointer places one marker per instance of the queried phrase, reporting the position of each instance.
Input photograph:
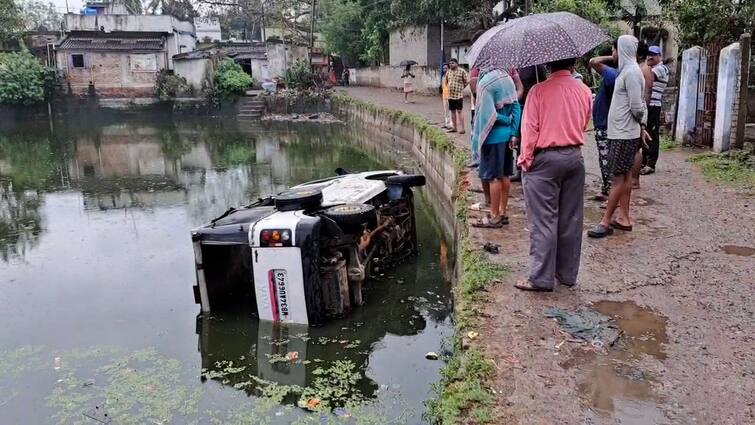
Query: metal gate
(706, 95)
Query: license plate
(279, 292)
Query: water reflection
(94, 226)
(146, 165)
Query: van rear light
(275, 238)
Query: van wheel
(298, 199)
(350, 216)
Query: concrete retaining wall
(427, 79)
(389, 136)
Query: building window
(77, 61)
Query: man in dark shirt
(605, 66)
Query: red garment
(556, 114)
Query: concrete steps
(251, 108)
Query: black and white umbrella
(534, 40)
(407, 62)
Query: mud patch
(742, 251)
(615, 384)
(642, 202)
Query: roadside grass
(667, 144)
(736, 168)
(462, 391)
(461, 394)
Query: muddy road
(679, 287)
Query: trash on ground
(491, 247)
(432, 355)
(341, 412)
(56, 363)
(292, 356)
(587, 325)
(472, 334)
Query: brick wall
(111, 73)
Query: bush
(170, 85)
(230, 79)
(23, 80)
(300, 76)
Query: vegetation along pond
(96, 269)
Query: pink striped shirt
(556, 114)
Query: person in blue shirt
(495, 128)
(605, 66)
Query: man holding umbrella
(555, 119)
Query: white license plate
(279, 290)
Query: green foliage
(334, 386)
(734, 167)
(355, 29)
(300, 76)
(39, 15)
(181, 9)
(701, 21)
(170, 85)
(23, 80)
(230, 79)
(11, 20)
(461, 390)
(668, 143)
(596, 11)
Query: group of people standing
(546, 124)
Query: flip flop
(480, 206)
(600, 231)
(616, 225)
(488, 223)
(526, 285)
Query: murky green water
(96, 269)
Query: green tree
(41, 16)
(356, 29)
(22, 79)
(701, 21)
(11, 20)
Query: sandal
(488, 223)
(526, 285)
(462, 132)
(616, 225)
(600, 231)
(451, 130)
(480, 206)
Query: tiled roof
(112, 41)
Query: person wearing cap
(656, 78)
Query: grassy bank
(462, 393)
(734, 167)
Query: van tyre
(407, 180)
(298, 199)
(351, 216)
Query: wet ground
(680, 287)
(96, 270)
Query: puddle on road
(742, 251)
(614, 384)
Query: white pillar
(685, 120)
(726, 95)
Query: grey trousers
(554, 196)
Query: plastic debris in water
(432, 355)
(57, 363)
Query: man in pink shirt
(553, 129)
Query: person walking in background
(627, 118)
(605, 67)
(494, 127)
(408, 82)
(656, 80)
(345, 76)
(555, 119)
(447, 123)
(457, 79)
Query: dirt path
(685, 306)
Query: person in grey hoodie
(627, 118)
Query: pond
(97, 268)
